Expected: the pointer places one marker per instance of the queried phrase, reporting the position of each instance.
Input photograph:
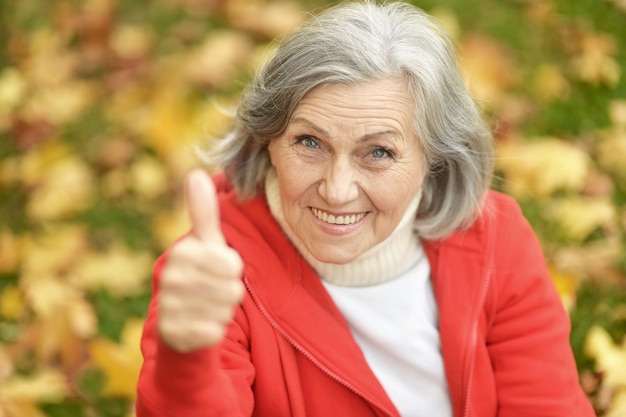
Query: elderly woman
(349, 260)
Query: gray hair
(355, 43)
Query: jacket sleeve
(528, 340)
(203, 383)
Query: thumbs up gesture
(200, 283)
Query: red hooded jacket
(289, 353)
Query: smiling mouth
(333, 219)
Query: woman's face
(348, 165)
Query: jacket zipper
(306, 353)
(473, 340)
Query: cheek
(392, 192)
(295, 181)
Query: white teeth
(329, 218)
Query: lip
(338, 229)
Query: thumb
(202, 206)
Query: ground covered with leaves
(101, 102)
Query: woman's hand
(201, 281)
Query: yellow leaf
(617, 112)
(219, 58)
(131, 41)
(580, 216)
(56, 338)
(168, 126)
(11, 251)
(566, 285)
(594, 260)
(11, 303)
(617, 407)
(46, 385)
(621, 4)
(33, 167)
(116, 182)
(19, 395)
(487, 69)
(54, 250)
(550, 83)
(271, 19)
(121, 362)
(119, 270)
(48, 61)
(595, 64)
(611, 152)
(12, 89)
(610, 359)
(46, 294)
(6, 364)
(67, 189)
(61, 103)
(169, 226)
(148, 177)
(542, 167)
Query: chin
(332, 257)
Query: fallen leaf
(169, 226)
(130, 41)
(596, 260)
(550, 83)
(599, 184)
(121, 362)
(542, 166)
(270, 19)
(148, 177)
(11, 251)
(48, 62)
(115, 152)
(13, 87)
(168, 126)
(578, 217)
(487, 68)
(596, 64)
(45, 385)
(218, 59)
(617, 407)
(31, 168)
(119, 270)
(12, 304)
(115, 183)
(617, 113)
(611, 152)
(60, 103)
(566, 285)
(620, 4)
(609, 358)
(67, 188)
(53, 251)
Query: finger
(202, 206)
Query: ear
(271, 150)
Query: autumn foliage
(103, 101)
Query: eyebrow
(364, 138)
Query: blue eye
(381, 153)
(308, 141)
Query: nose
(339, 186)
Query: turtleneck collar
(381, 263)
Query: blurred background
(102, 101)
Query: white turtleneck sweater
(387, 299)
